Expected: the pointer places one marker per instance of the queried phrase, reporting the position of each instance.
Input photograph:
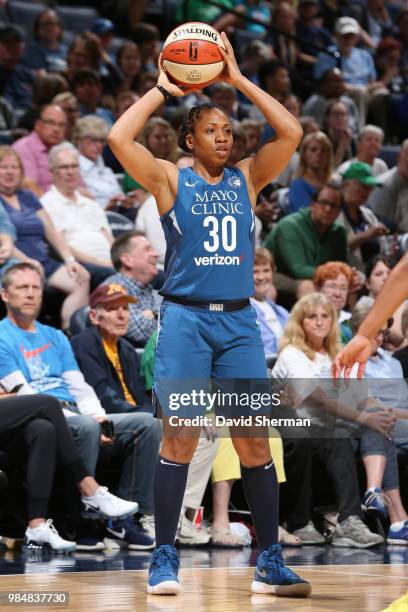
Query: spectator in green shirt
(303, 240)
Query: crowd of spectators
(328, 231)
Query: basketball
(191, 55)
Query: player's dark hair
(187, 127)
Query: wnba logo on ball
(193, 55)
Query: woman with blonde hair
(34, 230)
(315, 169)
(308, 347)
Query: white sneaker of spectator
(107, 505)
(190, 535)
(45, 533)
(147, 522)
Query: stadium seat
(118, 223)
(77, 18)
(24, 13)
(389, 153)
(79, 321)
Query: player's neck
(211, 175)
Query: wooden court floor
(345, 588)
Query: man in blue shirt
(40, 358)
(356, 65)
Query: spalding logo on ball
(191, 55)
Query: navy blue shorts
(199, 345)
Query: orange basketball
(191, 55)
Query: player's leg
(242, 356)
(182, 355)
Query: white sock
(396, 526)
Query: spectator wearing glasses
(70, 105)
(363, 228)
(90, 136)
(46, 51)
(34, 230)
(335, 279)
(302, 241)
(49, 130)
(80, 219)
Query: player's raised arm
(155, 175)
(358, 350)
(273, 156)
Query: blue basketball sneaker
(163, 570)
(398, 536)
(271, 576)
(375, 501)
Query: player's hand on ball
(231, 73)
(165, 82)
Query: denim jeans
(137, 440)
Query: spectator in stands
(107, 360)
(335, 126)
(8, 123)
(308, 28)
(45, 88)
(402, 33)
(87, 87)
(70, 105)
(332, 87)
(271, 317)
(46, 50)
(388, 59)
(334, 279)
(224, 95)
(33, 430)
(41, 359)
(253, 132)
(293, 104)
(315, 168)
(274, 78)
(87, 52)
(386, 389)
(135, 262)
(377, 271)
(402, 354)
(357, 65)
(80, 219)
(308, 347)
(7, 238)
(302, 241)
(364, 230)
(255, 54)
(34, 229)
(369, 142)
(90, 136)
(129, 61)
(160, 139)
(124, 100)
(147, 38)
(49, 130)
(15, 80)
(375, 21)
(389, 202)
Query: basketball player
(207, 326)
(358, 350)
